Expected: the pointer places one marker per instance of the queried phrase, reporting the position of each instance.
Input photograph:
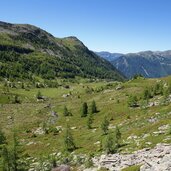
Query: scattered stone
(148, 143)
(74, 127)
(112, 126)
(132, 137)
(164, 127)
(65, 95)
(152, 120)
(39, 131)
(54, 114)
(94, 130)
(119, 87)
(61, 168)
(156, 159)
(97, 143)
(145, 136)
(9, 117)
(158, 132)
(31, 143)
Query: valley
(40, 125)
(64, 107)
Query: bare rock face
(62, 168)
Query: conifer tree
(39, 95)
(118, 136)
(2, 138)
(146, 94)
(90, 121)
(68, 140)
(6, 165)
(66, 112)
(84, 110)
(110, 146)
(93, 107)
(105, 125)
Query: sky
(120, 26)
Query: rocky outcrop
(156, 159)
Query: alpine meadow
(64, 107)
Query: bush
(132, 101)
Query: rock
(54, 114)
(152, 120)
(112, 126)
(65, 95)
(164, 127)
(74, 127)
(119, 87)
(156, 159)
(30, 143)
(94, 130)
(148, 143)
(158, 132)
(39, 131)
(97, 143)
(145, 136)
(132, 137)
(61, 168)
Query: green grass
(30, 114)
(132, 168)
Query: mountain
(109, 56)
(148, 63)
(27, 51)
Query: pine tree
(110, 145)
(93, 107)
(105, 125)
(118, 136)
(6, 165)
(66, 112)
(22, 85)
(15, 153)
(39, 95)
(90, 121)
(2, 138)
(84, 110)
(112, 142)
(146, 94)
(68, 140)
(16, 99)
(10, 157)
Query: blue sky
(103, 25)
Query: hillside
(139, 108)
(27, 52)
(149, 64)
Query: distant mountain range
(109, 56)
(28, 52)
(148, 63)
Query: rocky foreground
(156, 159)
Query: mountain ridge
(150, 64)
(59, 57)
